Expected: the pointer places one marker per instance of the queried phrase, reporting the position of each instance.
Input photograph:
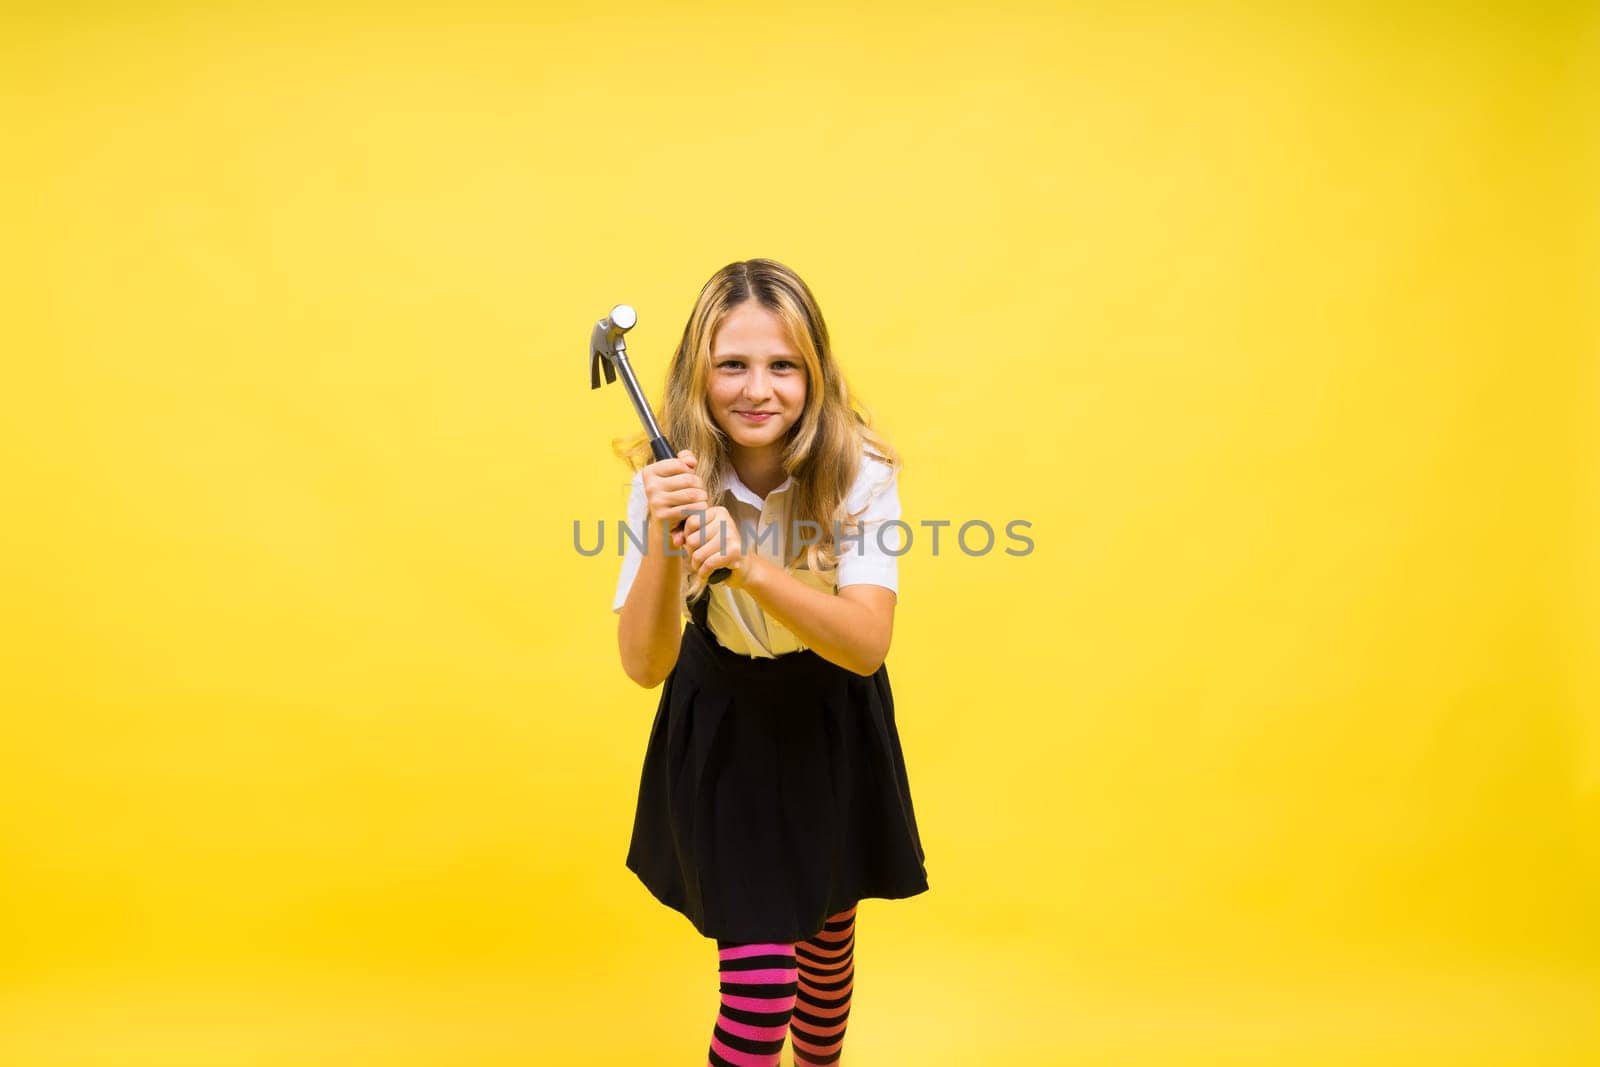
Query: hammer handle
(662, 450)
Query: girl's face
(758, 383)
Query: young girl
(774, 794)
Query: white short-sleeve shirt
(733, 614)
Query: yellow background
(1282, 747)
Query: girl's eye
(738, 364)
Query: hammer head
(605, 341)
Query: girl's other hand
(672, 488)
(713, 541)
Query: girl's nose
(757, 386)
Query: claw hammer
(608, 353)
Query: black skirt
(774, 794)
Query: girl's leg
(758, 991)
(827, 975)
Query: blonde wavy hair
(822, 452)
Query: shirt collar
(744, 493)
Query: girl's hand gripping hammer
(609, 353)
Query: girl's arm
(650, 626)
(648, 631)
(851, 629)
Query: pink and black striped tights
(770, 990)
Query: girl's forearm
(838, 629)
(650, 627)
